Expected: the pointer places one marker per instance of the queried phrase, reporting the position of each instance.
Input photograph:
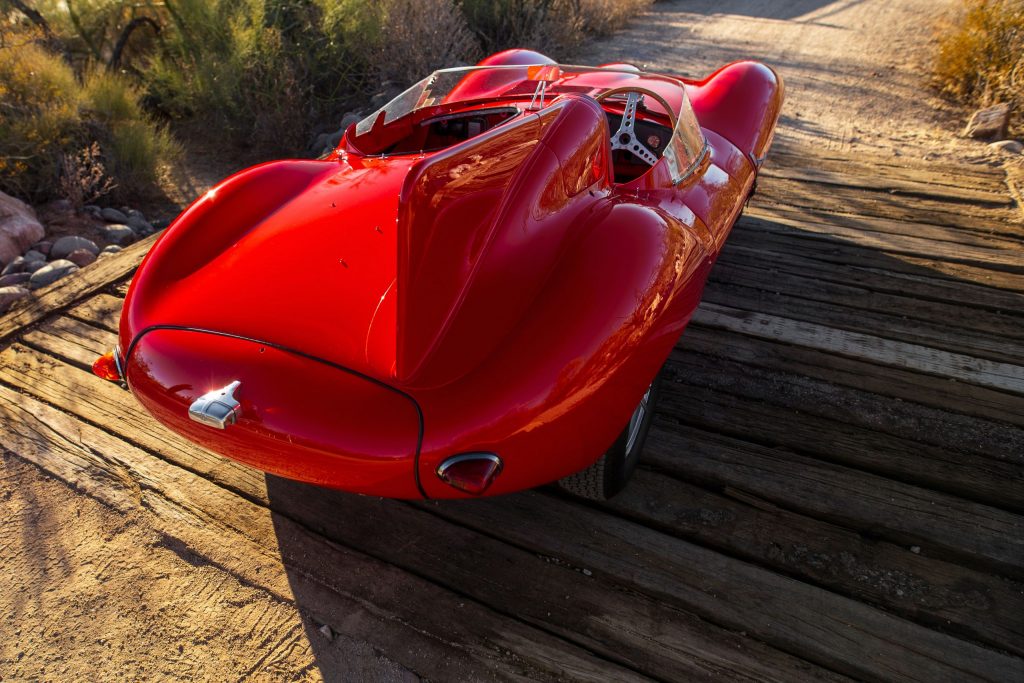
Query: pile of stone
(29, 261)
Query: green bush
(261, 73)
(549, 26)
(980, 56)
(50, 116)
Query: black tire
(612, 471)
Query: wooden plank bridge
(834, 487)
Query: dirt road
(855, 70)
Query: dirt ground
(90, 594)
(855, 70)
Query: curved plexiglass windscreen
(536, 86)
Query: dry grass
(980, 56)
(420, 36)
(553, 27)
(49, 115)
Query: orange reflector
(470, 472)
(105, 367)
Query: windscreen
(539, 84)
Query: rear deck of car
(833, 486)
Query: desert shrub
(553, 27)
(39, 117)
(980, 56)
(50, 116)
(262, 72)
(602, 17)
(420, 36)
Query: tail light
(470, 472)
(108, 366)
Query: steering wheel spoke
(625, 137)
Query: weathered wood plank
(801, 429)
(778, 248)
(939, 233)
(394, 608)
(636, 629)
(965, 326)
(909, 186)
(65, 292)
(942, 595)
(821, 626)
(1002, 376)
(791, 154)
(101, 310)
(833, 199)
(953, 334)
(802, 229)
(73, 340)
(936, 435)
(944, 526)
(919, 287)
(929, 390)
(644, 634)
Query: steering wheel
(625, 137)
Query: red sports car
(474, 293)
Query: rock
(326, 632)
(134, 213)
(319, 144)
(43, 247)
(14, 279)
(1007, 147)
(160, 223)
(989, 123)
(140, 225)
(15, 266)
(19, 228)
(112, 215)
(111, 249)
(66, 245)
(60, 206)
(51, 272)
(33, 266)
(8, 295)
(121, 235)
(33, 255)
(348, 119)
(81, 257)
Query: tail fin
(741, 102)
(481, 225)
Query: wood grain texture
(1002, 376)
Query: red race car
(474, 293)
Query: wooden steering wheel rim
(644, 91)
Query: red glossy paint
(502, 294)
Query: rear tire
(613, 469)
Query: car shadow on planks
(832, 488)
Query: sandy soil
(91, 594)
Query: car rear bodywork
(384, 312)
